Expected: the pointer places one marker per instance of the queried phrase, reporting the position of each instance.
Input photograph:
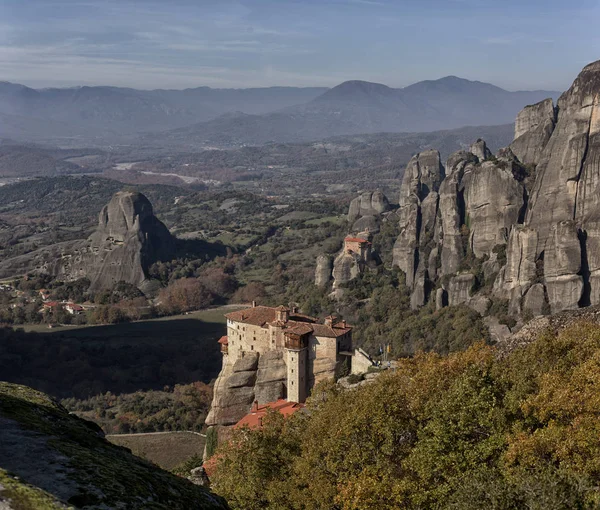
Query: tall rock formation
(128, 239)
(533, 128)
(365, 215)
(528, 217)
(365, 211)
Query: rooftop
(297, 323)
(254, 418)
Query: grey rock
(459, 288)
(369, 223)
(493, 199)
(562, 264)
(323, 270)
(239, 379)
(441, 298)
(514, 279)
(451, 211)
(346, 267)
(248, 362)
(534, 300)
(369, 203)
(564, 188)
(480, 149)
(533, 127)
(480, 304)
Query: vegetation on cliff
(44, 446)
(469, 430)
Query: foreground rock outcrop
(128, 239)
(52, 459)
(521, 226)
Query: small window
(292, 383)
(292, 358)
(292, 370)
(251, 347)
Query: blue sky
(254, 43)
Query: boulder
(480, 304)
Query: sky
(518, 45)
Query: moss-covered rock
(52, 459)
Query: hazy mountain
(105, 111)
(363, 107)
(205, 116)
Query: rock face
(533, 128)
(128, 239)
(323, 270)
(370, 203)
(527, 219)
(253, 377)
(365, 215)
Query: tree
(184, 295)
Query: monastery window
(292, 358)
(251, 347)
(292, 370)
(292, 382)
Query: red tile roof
(356, 240)
(263, 315)
(223, 340)
(255, 417)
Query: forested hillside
(476, 429)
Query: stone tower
(296, 347)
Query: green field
(165, 449)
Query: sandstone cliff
(128, 239)
(521, 226)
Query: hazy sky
(186, 43)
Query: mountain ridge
(280, 114)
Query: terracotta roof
(356, 240)
(258, 315)
(254, 418)
(263, 315)
(282, 308)
(330, 331)
(223, 340)
(51, 304)
(299, 328)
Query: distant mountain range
(224, 117)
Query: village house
(73, 308)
